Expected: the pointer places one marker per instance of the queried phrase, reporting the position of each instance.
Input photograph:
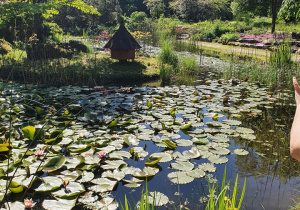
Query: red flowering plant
(179, 31)
(102, 36)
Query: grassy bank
(88, 69)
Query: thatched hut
(122, 45)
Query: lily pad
(192, 153)
(130, 139)
(29, 132)
(54, 163)
(184, 143)
(183, 166)
(113, 164)
(208, 167)
(72, 189)
(15, 187)
(152, 160)
(248, 136)
(232, 122)
(244, 130)
(180, 178)
(49, 183)
(86, 177)
(158, 198)
(102, 185)
(217, 159)
(165, 157)
(116, 174)
(240, 152)
(196, 173)
(62, 204)
(106, 203)
(146, 172)
(119, 155)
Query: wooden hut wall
(123, 54)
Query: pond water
(100, 139)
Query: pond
(86, 144)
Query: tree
(195, 10)
(156, 7)
(258, 7)
(74, 21)
(31, 14)
(290, 10)
(130, 6)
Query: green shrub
(189, 64)
(89, 47)
(209, 34)
(5, 47)
(53, 31)
(228, 37)
(136, 21)
(262, 22)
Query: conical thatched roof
(122, 40)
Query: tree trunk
(37, 23)
(274, 14)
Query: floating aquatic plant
(94, 138)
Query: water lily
(66, 182)
(29, 203)
(115, 136)
(102, 155)
(39, 153)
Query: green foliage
(202, 10)
(281, 56)
(189, 64)
(54, 32)
(165, 72)
(143, 204)
(156, 7)
(228, 37)
(262, 22)
(5, 47)
(222, 200)
(31, 16)
(290, 11)
(165, 29)
(136, 21)
(168, 56)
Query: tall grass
(189, 65)
(168, 55)
(282, 55)
(143, 204)
(219, 198)
(223, 200)
(168, 61)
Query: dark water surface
(272, 177)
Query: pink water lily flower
(29, 203)
(39, 153)
(102, 155)
(115, 136)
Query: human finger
(296, 85)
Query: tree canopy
(26, 15)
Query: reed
(219, 198)
(223, 200)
